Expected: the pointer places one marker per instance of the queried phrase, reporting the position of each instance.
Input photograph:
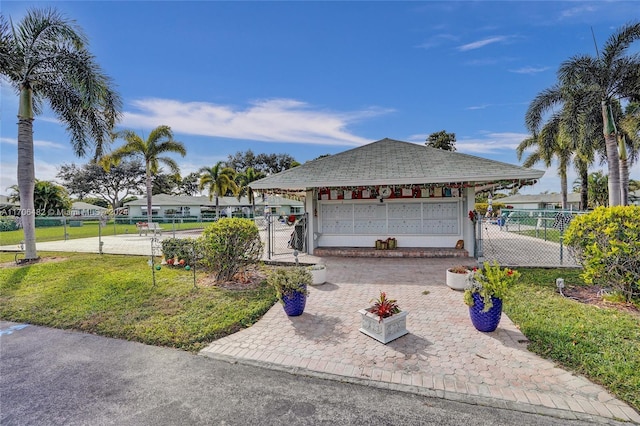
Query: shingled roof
(392, 162)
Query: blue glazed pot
(485, 321)
(294, 303)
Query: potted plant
(484, 296)
(291, 288)
(458, 277)
(318, 273)
(384, 321)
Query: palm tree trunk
(584, 187)
(149, 192)
(624, 173)
(563, 190)
(26, 171)
(217, 208)
(26, 184)
(613, 160)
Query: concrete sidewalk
(443, 355)
(134, 244)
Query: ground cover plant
(601, 342)
(89, 229)
(113, 296)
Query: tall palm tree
(610, 76)
(220, 180)
(551, 142)
(160, 141)
(629, 145)
(243, 180)
(46, 60)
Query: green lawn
(88, 229)
(551, 234)
(602, 344)
(114, 296)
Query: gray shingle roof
(392, 162)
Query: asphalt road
(56, 377)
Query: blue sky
(313, 78)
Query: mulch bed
(592, 295)
(249, 280)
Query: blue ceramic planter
(294, 303)
(485, 321)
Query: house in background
(80, 208)
(199, 207)
(419, 195)
(540, 201)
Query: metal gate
(524, 238)
(282, 235)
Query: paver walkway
(442, 356)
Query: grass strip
(113, 296)
(602, 344)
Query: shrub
(182, 248)
(8, 225)
(229, 246)
(482, 208)
(606, 243)
(289, 280)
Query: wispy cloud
(271, 120)
(481, 43)
(37, 143)
(437, 40)
(475, 107)
(578, 10)
(485, 143)
(8, 173)
(529, 70)
(491, 142)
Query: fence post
(268, 220)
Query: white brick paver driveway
(443, 355)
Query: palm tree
(551, 142)
(608, 77)
(219, 180)
(46, 60)
(629, 145)
(243, 180)
(49, 199)
(160, 141)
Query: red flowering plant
(490, 281)
(473, 216)
(384, 307)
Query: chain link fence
(525, 237)
(282, 235)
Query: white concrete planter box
(457, 281)
(318, 274)
(384, 331)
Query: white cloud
(8, 173)
(484, 106)
(271, 120)
(37, 142)
(529, 70)
(481, 43)
(486, 143)
(578, 10)
(490, 143)
(436, 40)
